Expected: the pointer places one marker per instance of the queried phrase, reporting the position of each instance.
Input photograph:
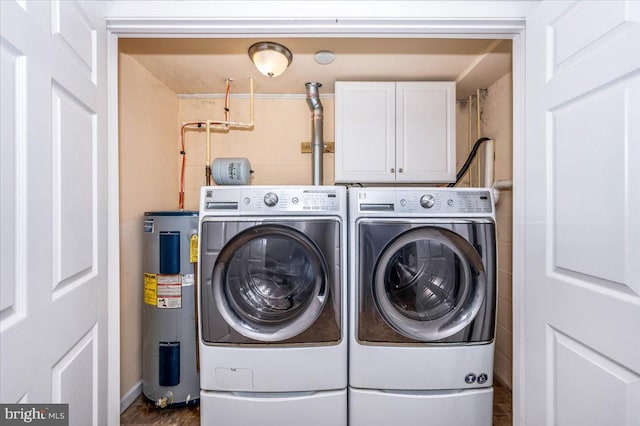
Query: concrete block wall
(496, 106)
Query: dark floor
(142, 412)
(502, 408)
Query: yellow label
(150, 289)
(193, 249)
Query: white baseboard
(130, 396)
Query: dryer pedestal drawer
(274, 409)
(418, 408)
(421, 368)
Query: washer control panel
(291, 199)
(273, 199)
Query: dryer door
(429, 283)
(269, 282)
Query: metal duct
(317, 144)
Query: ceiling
(200, 65)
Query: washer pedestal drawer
(274, 409)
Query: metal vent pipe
(317, 118)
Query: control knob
(270, 199)
(427, 201)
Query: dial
(270, 199)
(427, 201)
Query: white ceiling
(200, 66)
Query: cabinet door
(365, 131)
(425, 131)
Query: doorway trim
(384, 27)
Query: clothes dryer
(272, 305)
(423, 306)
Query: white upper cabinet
(395, 132)
(365, 131)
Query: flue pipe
(317, 144)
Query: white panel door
(53, 328)
(582, 223)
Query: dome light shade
(271, 59)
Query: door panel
(587, 135)
(12, 231)
(584, 373)
(582, 303)
(73, 130)
(53, 321)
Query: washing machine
(272, 305)
(423, 306)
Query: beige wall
(495, 122)
(148, 181)
(150, 119)
(150, 116)
(466, 135)
(272, 147)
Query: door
(582, 224)
(270, 282)
(365, 131)
(428, 282)
(426, 131)
(53, 236)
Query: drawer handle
(393, 170)
(400, 170)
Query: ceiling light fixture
(271, 59)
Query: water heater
(169, 345)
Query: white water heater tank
(231, 171)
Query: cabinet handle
(392, 170)
(400, 170)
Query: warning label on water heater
(169, 291)
(150, 284)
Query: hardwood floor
(142, 412)
(502, 405)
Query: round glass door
(429, 283)
(269, 283)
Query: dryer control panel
(424, 201)
(444, 201)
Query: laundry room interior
(165, 83)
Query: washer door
(270, 283)
(429, 283)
